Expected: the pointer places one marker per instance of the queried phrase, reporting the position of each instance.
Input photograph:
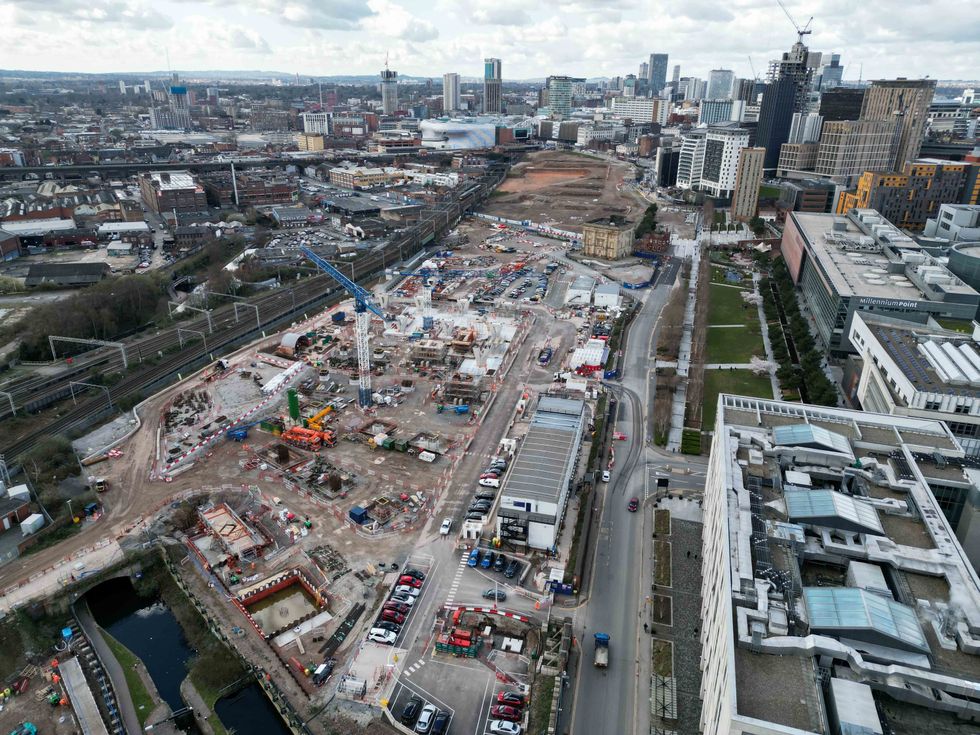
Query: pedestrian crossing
(414, 667)
(454, 587)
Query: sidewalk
(684, 356)
(776, 393)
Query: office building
(716, 111)
(796, 158)
(848, 148)
(311, 142)
(744, 89)
(492, 80)
(909, 197)
(560, 95)
(534, 497)
(389, 91)
(450, 92)
(316, 123)
(860, 262)
(720, 83)
(644, 71)
(690, 161)
(907, 102)
(955, 223)
(835, 597)
(776, 118)
(667, 162)
(172, 191)
(658, 73)
(805, 128)
(609, 238)
(642, 109)
(831, 74)
(748, 179)
(807, 195)
(709, 159)
(842, 103)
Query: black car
(414, 573)
(500, 563)
(440, 724)
(481, 505)
(485, 496)
(474, 516)
(512, 569)
(387, 625)
(410, 713)
(494, 594)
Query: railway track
(278, 305)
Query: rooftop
(172, 180)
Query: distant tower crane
(363, 308)
(800, 32)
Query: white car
(424, 722)
(504, 727)
(605, 475)
(403, 599)
(382, 635)
(404, 589)
(446, 527)
(490, 482)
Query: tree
(757, 225)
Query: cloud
(394, 21)
(130, 13)
(330, 15)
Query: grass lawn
(544, 689)
(734, 344)
(663, 663)
(661, 563)
(661, 521)
(142, 700)
(767, 191)
(725, 306)
(718, 274)
(957, 325)
(739, 382)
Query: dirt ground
(27, 708)
(564, 189)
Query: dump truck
(601, 650)
(98, 484)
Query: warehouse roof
(67, 274)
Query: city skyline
(596, 39)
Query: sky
(876, 38)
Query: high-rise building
(904, 100)
(831, 74)
(748, 179)
(909, 197)
(492, 81)
(450, 92)
(389, 91)
(629, 86)
(805, 128)
(709, 159)
(658, 73)
(317, 123)
(848, 148)
(641, 109)
(690, 161)
(776, 118)
(716, 111)
(720, 84)
(676, 75)
(177, 115)
(560, 95)
(644, 71)
(842, 103)
(796, 157)
(796, 65)
(744, 89)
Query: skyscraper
(720, 84)
(805, 128)
(748, 178)
(905, 100)
(796, 65)
(450, 92)
(842, 103)
(832, 73)
(658, 73)
(775, 118)
(644, 71)
(491, 86)
(389, 91)
(560, 95)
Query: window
(932, 405)
(961, 409)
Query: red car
(512, 699)
(503, 712)
(392, 617)
(410, 581)
(398, 607)
(633, 505)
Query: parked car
(381, 635)
(481, 506)
(605, 475)
(399, 607)
(505, 712)
(409, 581)
(410, 712)
(414, 573)
(393, 627)
(488, 560)
(490, 482)
(403, 599)
(504, 727)
(512, 569)
(404, 589)
(475, 515)
(494, 594)
(500, 563)
(322, 672)
(393, 616)
(446, 527)
(633, 505)
(440, 724)
(485, 495)
(514, 699)
(426, 716)
(474, 558)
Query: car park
(446, 527)
(474, 558)
(488, 560)
(500, 563)
(382, 635)
(494, 594)
(512, 698)
(504, 727)
(505, 712)
(410, 712)
(633, 505)
(424, 722)
(512, 569)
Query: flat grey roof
(548, 451)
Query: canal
(147, 627)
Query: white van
(490, 482)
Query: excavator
(309, 439)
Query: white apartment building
(590, 133)
(317, 123)
(642, 109)
(691, 159)
(450, 92)
(836, 597)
